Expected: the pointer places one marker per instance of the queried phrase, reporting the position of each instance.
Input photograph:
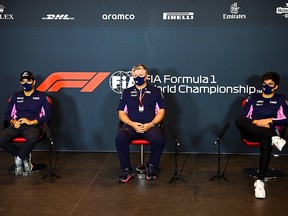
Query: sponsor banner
(283, 11)
(234, 13)
(4, 15)
(153, 14)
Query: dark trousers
(262, 135)
(22, 150)
(155, 136)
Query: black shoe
(127, 174)
(151, 172)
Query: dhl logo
(86, 81)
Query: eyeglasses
(29, 81)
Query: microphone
(223, 131)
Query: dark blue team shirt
(35, 106)
(153, 99)
(258, 107)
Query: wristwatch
(153, 125)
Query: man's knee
(157, 140)
(122, 136)
(33, 140)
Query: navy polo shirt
(35, 106)
(152, 100)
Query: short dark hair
(271, 75)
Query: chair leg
(141, 169)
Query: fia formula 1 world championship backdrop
(206, 56)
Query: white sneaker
(18, 166)
(259, 189)
(27, 166)
(278, 142)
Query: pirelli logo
(85, 81)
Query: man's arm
(157, 119)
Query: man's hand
(138, 127)
(16, 124)
(27, 121)
(147, 126)
(141, 128)
(263, 122)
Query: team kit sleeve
(282, 115)
(9, 110)
(46, 111)
(247, 110)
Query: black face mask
(139, 80)
(27, 87)
(267, 89)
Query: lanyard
(141, 96)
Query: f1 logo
(87, 81)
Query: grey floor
(88, 187)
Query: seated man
(136, 110)
(26, 111)
(260, 116)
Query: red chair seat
(23, 140)
(19, 140)
(250, 143)
(139, 142)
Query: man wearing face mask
(261, 115)
(26, 111)
(136, 110)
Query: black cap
(27, 75)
